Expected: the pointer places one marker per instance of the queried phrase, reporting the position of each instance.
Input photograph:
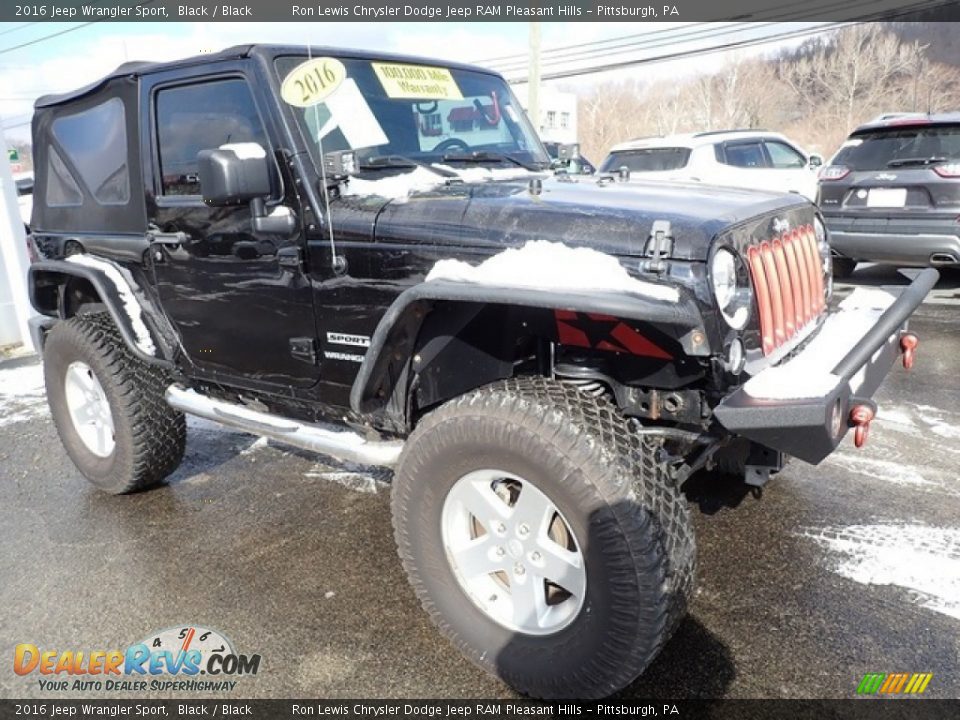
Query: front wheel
(543, 539)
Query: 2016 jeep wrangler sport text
(277, 238)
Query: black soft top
(86, 142)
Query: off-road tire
(843, 267)
(611, 487)
(150, 436)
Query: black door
(243, 309)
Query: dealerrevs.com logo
(182, 658)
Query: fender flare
(387, 361)
(46, 273)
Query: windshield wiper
(900, 162)
(382, 162)
(479, 156)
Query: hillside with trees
(815, 93)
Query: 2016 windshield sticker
(417, 81)
(312, 81)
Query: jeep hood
(609, 216)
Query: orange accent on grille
(776, 297)
(819, 304)
(788, 284)
(793, 267)
(786, 288)
(806, 282)
(763, 299)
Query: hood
(606, 215)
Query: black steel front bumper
(810, 429)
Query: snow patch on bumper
(809, 373)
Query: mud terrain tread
(649, 596)
(157, 431)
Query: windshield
(900, 147)
(393, 112)
(647, 159)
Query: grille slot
(788, 285)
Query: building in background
(558, 113)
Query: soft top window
(95, 142)
(201, 116)
(647, 159)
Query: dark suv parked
(280, 238)
(892, 193)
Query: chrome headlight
(731, 287)
(826, 257)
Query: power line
(633, 46)
(563, 55)
(579, 45)
(36, 41)
(557, 75)
(4, 51)
(19, 27)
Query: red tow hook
(860, 418)
(908, 343)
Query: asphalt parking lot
(835, 571)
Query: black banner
(862, 709)
(79, 11)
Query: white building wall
(558, 113)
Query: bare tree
(859, 75)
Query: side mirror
(815, 161)
(234, 174)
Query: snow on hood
(397, 187)
(809, 373)
(123, 282)
(543, 265)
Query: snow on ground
(358, 482)
(894, 471)
(22, 394)
(923, 421)
(809, 373)
(543, 265)
(923, 560)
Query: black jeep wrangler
(282, 239)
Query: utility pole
(533, 82)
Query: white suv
(753, 159)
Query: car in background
(575, 164)
(752, 159)
(891, 194)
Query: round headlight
(724, 275)
(731, 287)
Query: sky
(80, 56)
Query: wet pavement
(833, 572)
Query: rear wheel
(109, 407)
(544, 539)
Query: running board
(347, 446)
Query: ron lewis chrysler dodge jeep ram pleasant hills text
(368, 256)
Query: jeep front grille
(787, 279)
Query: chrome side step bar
(347, 445)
